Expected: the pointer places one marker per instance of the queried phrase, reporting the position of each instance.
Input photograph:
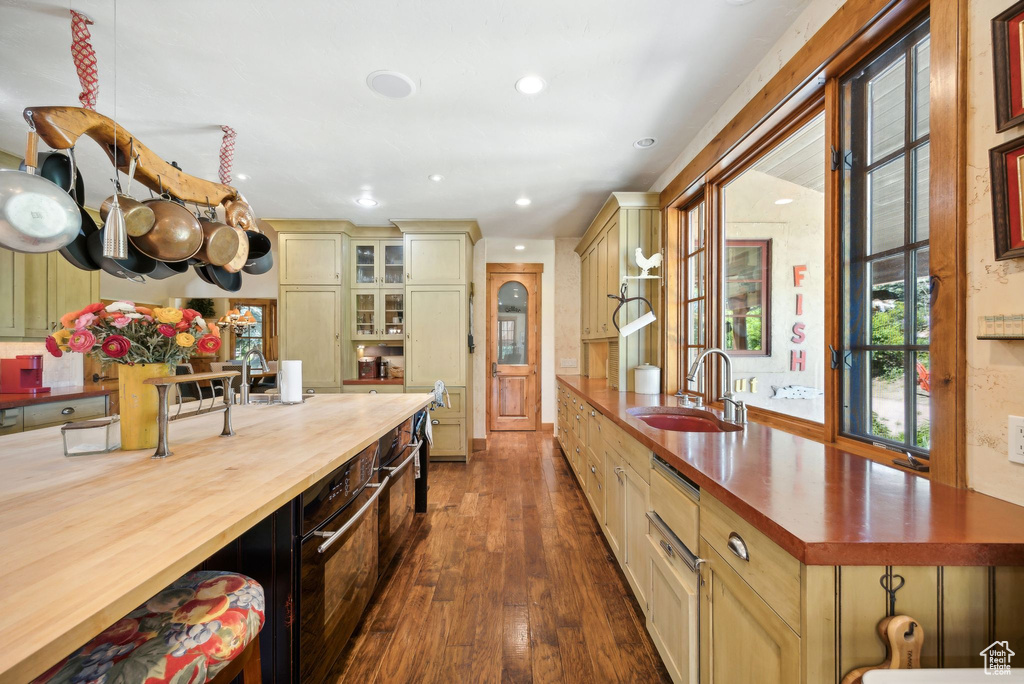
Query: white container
(647, 379)
(290, 382)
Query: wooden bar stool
(202, 628)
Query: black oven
(397, 473)
(338, 561)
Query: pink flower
(116, 346)
(209, 344)
(121, 321)
(85, 320)
(166, 330)
(53, 347)
(81, 341)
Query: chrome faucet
(245, 371)
(735, 411)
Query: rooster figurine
(645, 263)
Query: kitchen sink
(682, 419)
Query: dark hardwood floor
(505, 578)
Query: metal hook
(622, 299)
(887, 582)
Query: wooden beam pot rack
(61, 127)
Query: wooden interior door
(513, 346)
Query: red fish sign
(798, 357)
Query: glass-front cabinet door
(365, 321)
(365, 254)
(392, 270)
(392, 314)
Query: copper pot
(220, 242)
(176, 233)
(138, 218)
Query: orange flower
(145, 311)
(68, 319)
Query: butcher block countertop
(87, 539)
(821, 504)
(8, 401)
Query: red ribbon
(227, 154)
(84, 57)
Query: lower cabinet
(636, 559)
(742, 638)
(449, 436)
(672, 615)
(615, 502)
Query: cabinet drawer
(632, 451)
(677, 507)
(11, 421)
(457, 396)
(59, 412)
(449, 437)
(372, 389)
(595, 486)
(769, 570)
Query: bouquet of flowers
(128, 334)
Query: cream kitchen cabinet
(436, 345)
(12, 294)
(437, 258)
(310, 330)
(635, 558)
(615, 502)
(377, 263)
(310, 258)
(673, 608)
(377, 314)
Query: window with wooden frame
(693, 247)
(884, 352)
(926, 254)
(262, 335)
(748, 297)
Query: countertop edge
(11, 400)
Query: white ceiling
(290, 77)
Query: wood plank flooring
(506, 578)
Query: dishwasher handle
(692, 560)
(335, 536)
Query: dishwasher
(673, 616)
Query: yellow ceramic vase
(139, 404)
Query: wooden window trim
(854, 31)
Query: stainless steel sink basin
(682, 419)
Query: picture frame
(1008, 59)
(1007, 168)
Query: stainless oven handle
(334, 536)
(407, 461)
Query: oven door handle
(334, 536)
(407, 461)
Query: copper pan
(138, 218)
(176, 233)
(221, 242)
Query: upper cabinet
(37, 289)
(437, 258)
(310, 258)
(377, 263)
(436, 347)
(12, 294)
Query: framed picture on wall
(1008, 55)
(1007, 167)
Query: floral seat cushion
(185, 634)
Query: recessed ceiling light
(530, 85)
(523, 201)
(520, 247)
(391, 84)
(242, 176)
(644, 143)
(436, 177)
(784, 200)
(738, 2)
(366, 202)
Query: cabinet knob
(593, 469)
(435, 422)
(67, 411)
(408, 276)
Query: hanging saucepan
(216, 275)
(35, 214)
(61, 169)
(242, 255)
(133, 268)
(166, 269)
(261, 256)
(138, 218)
(200, 270)
(220, 241)
(176, 234)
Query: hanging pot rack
(61, 128)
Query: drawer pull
(435, 422)
(738, 547)
(593, 413)
(668, 549)
(577, 450)
(593, 469)
(619, 473)
(67, 411)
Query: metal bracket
(888, 582)
(622, 299)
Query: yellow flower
(184, 339)
(168, 315)
(62, 336)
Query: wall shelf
(1001, 337)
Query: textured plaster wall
(567, 306)
(995, 370)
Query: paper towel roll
(290, 381)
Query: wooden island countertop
(821, 504)
(87, 539)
